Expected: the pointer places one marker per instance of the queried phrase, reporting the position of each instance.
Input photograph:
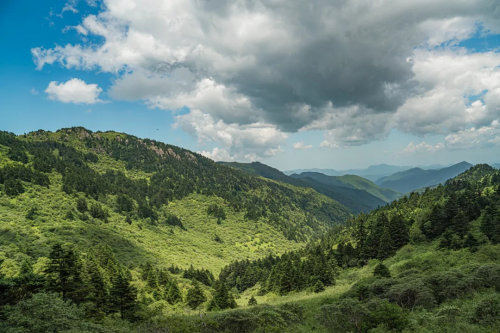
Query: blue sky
(210, 90)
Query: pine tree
(381, 270)
(398, 231)
(173, 293)
(471, 242)
(252, 301)
(63, 272)
(460, 224)
(97, 291)
(222, 298)
(152, 279)
(195, 296)
(386, 248)
(123, 297)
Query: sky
(294, 84)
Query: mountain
(440, 247)
(371, 173)
(146, 200)
(356, 200)
(352, 181)
(328, 172)
(415, 178)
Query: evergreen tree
(381, 270)
(471, 242)
(63, 272)
(222, 298)
(460, 224)
(252, 301)
(195, 296)
(398, 231)
(386, 248)
(97, 291)
(81, 205)
(123, 297)
(173, 293)
(152, 279)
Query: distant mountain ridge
(355, 197)
(372, 173)
(352, 181)
(416, 178)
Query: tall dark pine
(222, 298)
(63, 272)
(398, 231)
(195, 296)
(460, 224)
(386, 248)
(123, 296)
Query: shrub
(487, 312)
(381, 270)
(347, 315)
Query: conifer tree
(222, 298)
(471, 242)
(63, 272)
(195, 296)
(460, 224)
(123, 297)
(386, 248)
(173, 293)
(398, 231)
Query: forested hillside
(98, 231)
(352, 181)
(417, 178)
(356, 199)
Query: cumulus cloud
(33, 91)
(301, 146)
(74, 91)
(249, 142)
(483, 137)
(422, 148)
(353, 68)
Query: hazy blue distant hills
(373, 172)
(355, 199)
(416, 178)
(352, 181)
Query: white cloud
(483, 137)
(33, 91)
(355, 68)
(74, 91)
(422, 147)
(218, 154)
(300, 145)
(249, 142)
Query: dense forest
(427, 262)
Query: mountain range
(354, 192)
(372, 173)
(417, 178)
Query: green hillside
(412, 179)
(356, 200)
(98, 232)
(352, 181)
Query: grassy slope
(356, 199)
(361, 183)
(424, 257)
(140, 241)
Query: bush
(487, 312)
(347, 315)
(381, 270)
